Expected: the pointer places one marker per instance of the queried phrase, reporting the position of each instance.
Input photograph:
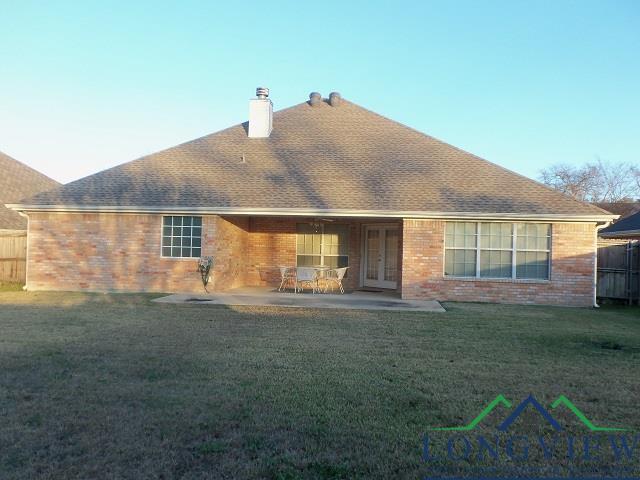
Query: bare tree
(579, 182)
(636, 177)
(616, 180)
(597, 181)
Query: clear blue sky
(87, 85)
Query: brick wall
(114, 252)
(117, 252)
(272, 242)
(572, 268)
(228, 245)
(111, 252)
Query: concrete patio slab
(272, 298)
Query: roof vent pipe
(334, 99)
(262, 92)
(315, 98)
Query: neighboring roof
(626, 227)
(624, 209)
(323, 159)
(18, 181)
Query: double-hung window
(497, 250)
(461, 243)
(181, 236)
(324, 244)
(532, 250)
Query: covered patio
(252, 251)
(271, 297)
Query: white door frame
(382, 227)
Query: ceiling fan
(317, 223)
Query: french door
(381, 256)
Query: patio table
(319, 271)
(290, 273)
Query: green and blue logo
(530, 401)
(552, 451)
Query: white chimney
(260, 114)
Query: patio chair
(306, 276)
(334, 277)
(288, 277)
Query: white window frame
(162, 235)
(322, 245)
(514, 251)
(477, 235)
(480, 249)
(547, 250)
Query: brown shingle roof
(319, 157)
(18, 181)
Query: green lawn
(114, 386)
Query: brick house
(325, 182)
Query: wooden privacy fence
(619, 271)
(13, 257)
